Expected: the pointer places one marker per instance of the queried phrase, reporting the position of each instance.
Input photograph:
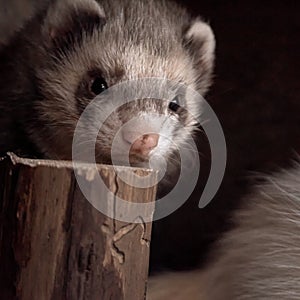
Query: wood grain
(55, 245)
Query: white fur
(258, 259)
(203, 33)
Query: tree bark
(55, 245)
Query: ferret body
(258, 259)
(74, 49)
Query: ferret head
(88, 48)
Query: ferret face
(90, 50)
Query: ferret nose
(141, 144)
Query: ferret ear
(199, 40)
(65, 17)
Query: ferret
(74, 50)
(258, 259)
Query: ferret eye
(98, 85)
(174, 105)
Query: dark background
(256, 97)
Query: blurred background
(256, 95)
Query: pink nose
(142, 144)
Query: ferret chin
(258, 259)
(74, 50)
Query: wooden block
(55, 245)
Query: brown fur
(14, 14)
